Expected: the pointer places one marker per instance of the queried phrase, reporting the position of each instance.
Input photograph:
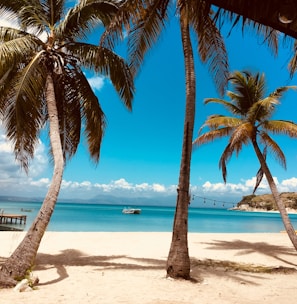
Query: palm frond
(210, 136)
(274, 147)
(211, 45)
(33, 18)
(241, 136)
(225, 157)
(263, 109)
(217, 121)
(249, 89)
(68, 109)
(54, 11)
(270, 35)
(14, 51)
(284, 127)
(7, 34)
(23, 117)
(293, 62)
(87, 14)
(232, 108)
(93, 115)
(260, 173)
(106, 62)
(16, 5)
(146, 31)
(279, 92)
(128, 13)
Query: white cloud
(43, 182)
(96, 82)
(14, 181)
(159, 188)
(12, 178)
(11, 20)
(8, 19)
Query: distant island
(265, 202)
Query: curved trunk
(280, 205)
(178, 261)
(22, 259)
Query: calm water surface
(95, 217)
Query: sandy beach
(115, 267)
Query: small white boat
(131, 211)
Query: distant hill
(265, 202)
(103, 199)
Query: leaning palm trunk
(22, 259)
(178, 261)
(280, 205)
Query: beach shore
(129, 267)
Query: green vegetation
(250, 123)
(266, 201)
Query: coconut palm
(145, 20)
(42, 83)
(251, 123)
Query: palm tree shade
(250, 123)
(42, 84)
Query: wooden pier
(13, 219)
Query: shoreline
(250, 209)
(129, 268)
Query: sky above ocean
(141, 149)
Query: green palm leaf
(86, 15)
(281, 127)
(147, 31)
(69, 111)
(23, 116)
(254, 110)
(225, 157)
(106, 62)
(93, 115)
(211, 45)
(228, 105)
(217, 121)
(16, 50)
(260, 173)
(210, 136)
(270, 35)
(274, 148)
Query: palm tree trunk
(23, 257)
(280, 205)
(178, 261)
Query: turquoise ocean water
(98, 217)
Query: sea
(109, 218)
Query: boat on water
(26, 210)
(131, 211)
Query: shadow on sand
(200, 270)
(279, 253)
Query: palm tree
(144, 20)
(251, 124)
(42, 84)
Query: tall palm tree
(145, 20)
(251, 123)
(42, 84)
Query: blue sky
(141, 149)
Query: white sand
(111, 267)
